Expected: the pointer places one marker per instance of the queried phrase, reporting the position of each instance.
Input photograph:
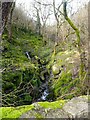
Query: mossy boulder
(55, 69)
(65, 71)
(39, 109)
(63, 85)
(46, 110)
(14, 112)
(74, 108)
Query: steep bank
(23, 68)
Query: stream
(28, 56)
(44, 89)
(45, 94)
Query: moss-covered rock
(55, 69)
(61, 109)
(41, 109)
(35, 110)
(15, 112)
(64, 81)
(74, 108)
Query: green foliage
(65, 86)
(22, 77)
(28, 98)
(20, 74)
(61, 85)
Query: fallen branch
(66, 95)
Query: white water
(45, 94)
(28, 56)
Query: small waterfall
(45, 94)
(28, 56)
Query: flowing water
(28, 56)
(44, 88)
(45, 93)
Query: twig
(66, 95)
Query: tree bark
(88, 78)
(6, 6)
(57, 30)
(79, 46)
(38, 25)
(10, 22)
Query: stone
(58, 113)
(77, 107)
(55, 69)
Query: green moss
(65, 58)
(64, 83)
(52, 105)
(38, 116)
(15, 112)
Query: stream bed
(44, 92)
(44, 88)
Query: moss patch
(38, 116)
(15, 112)
(53, 105)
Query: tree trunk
(10, 22)
(6, 6)
(38, 26)
(79, 46)
(88, 78)
(57, 29)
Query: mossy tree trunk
(88, 78)
(58, 25)
(79, 46)
(5, 6)
(38, 24)
(6, 14)
(10, 22)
